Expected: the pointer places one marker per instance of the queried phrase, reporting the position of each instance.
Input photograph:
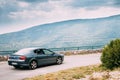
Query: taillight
(22, 57)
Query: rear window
(24, 51)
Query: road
(9, 73)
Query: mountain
(70, 33)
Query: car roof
(32, 48)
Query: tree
(111, 54)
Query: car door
(50, 57)
(40, 56)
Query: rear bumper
(17, 63)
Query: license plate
(13, 63)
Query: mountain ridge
(67, 21)
(77, 32)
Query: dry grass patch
(3, 58)
(70, 74)
(92, 72)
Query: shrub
(111, 54)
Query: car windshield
(24, 51)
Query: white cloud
(100, 12)
(42, 10)
(25, 14)
(29, 14)
(60, 13)
(23, 4)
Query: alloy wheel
(33, 65)
(59, 60)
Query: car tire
(59, 60)
(33, 65)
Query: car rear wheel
(59, 60)
(33, 65)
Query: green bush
(111, 54)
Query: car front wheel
(33, 65)
(59, 60)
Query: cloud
(57, 9)
(6, 6)
(89, 4)
(23, 4)
(35, 12)
(58, 13)
(117, 3)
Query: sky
(17, 15)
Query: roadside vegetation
(3, 58)
(111, 54)
(92, 72)
(81, 52)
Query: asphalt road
(9, 73)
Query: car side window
(47, 52)
(39, 51)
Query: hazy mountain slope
(79, 32)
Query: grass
(73, 74)
(3, 58)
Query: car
(34, 57)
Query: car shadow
(42, 66)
